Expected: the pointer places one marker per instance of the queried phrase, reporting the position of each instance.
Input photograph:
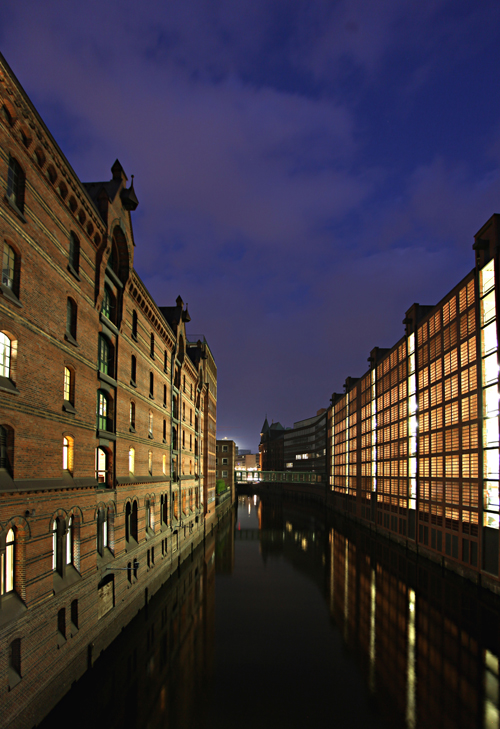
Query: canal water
(289, 618)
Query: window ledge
(150, 435)
(106, 434)
(106, 378)
(7, 385)
(70, 338)
(73, 272)
(11, 608)
(10, 295)
(133, 383)
(68, 407)
(131, 429)
(71, 576)
(14, 207)
(113, 278)
(108, 323)
(151, 396)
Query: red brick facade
(107, 418)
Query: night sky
(305, 170)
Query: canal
(287, 618)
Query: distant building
(247, 461)
(305, 444)
(271, 447)
(224, 466)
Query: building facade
(271, 447)
(225, 464)
(414, 442)
(107, 418)
(305, 444)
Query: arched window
(134, 521)
(131, 460)
(69, 386)
(148, 514)
(150, 462)
(74, 253)
(71, 316)
(105, 356)
(69, 541)
(102, 411)
(132, 416)
(102, 530)
(128, 515)
(16, 184)
(134, 324)
(152, 346)
(5, 355)
(7, 563)
(101, 466)
(68, 453)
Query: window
(74, 254)
(70, 541)
(164, 430)
(224, 474)
(134, 324)
(183, 439)
(165, 361)
(57, 545)
(5, 355)
(164, 396)
(131, 521)
(151, 384)
(103, 422)
(150, 462)
(71, 314)
(16, 184)
(131, 460)
(132, 416)
(74, 614)
(10, 269)
(148, 514)
(190, 442)
(183, 383)
(68, 453)
(108, 304)
(105, 360)
(4, 449)
(61, 623)
(7, 562)
(164, 465)
(224, 448)
(14, 662)
(69, 386)
(133, 370)
(224, 461)
(102, 530)
(150, 425)
(152, 347)
(101, 465)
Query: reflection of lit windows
(7, 564)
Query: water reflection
(320, 620)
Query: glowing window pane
(69, 541)
(490, 432)
(131, 460)
(490, 401)
(413, 445)
(489, 338)
(412, 404)
(490, 369)
(67, 384)
(490, 461)
(65, 453)
(9, 258)
(411, 363)
(411, 343)
(488, 308)
(412, 385)
(4, 355)
(487, 278)
(9, 561)
(490, 492)
(412, 467)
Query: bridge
(243, 477)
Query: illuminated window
(164, 465)
(104, 356)
(150, 462)
(68, 453)
(150, 425)
(5, 355)
(102, 411)
(131, 460)
(101, 465)
(7, 563)
(69, 386)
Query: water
(288, 620)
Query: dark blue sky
(305, 170)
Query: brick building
(414, 442)
(271, 447)
(107, 418)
